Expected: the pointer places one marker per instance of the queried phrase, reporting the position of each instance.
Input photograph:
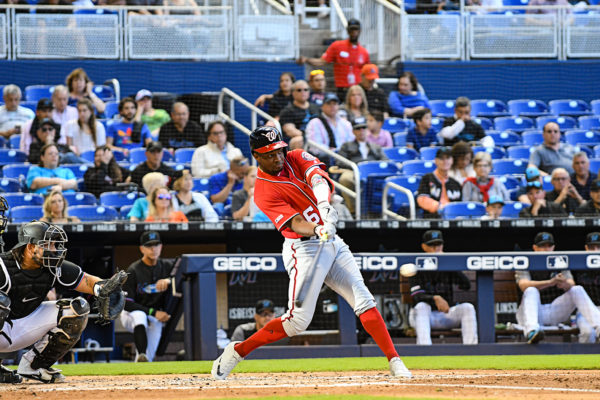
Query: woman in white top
(84, 133)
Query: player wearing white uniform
(590, 281)
(435, 289)
(293, 190)
(549, 297)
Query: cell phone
(18, 128)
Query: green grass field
(564, 362)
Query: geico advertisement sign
(225, 264)
(593, 261)
(497, 262)
(376, 263)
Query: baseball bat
(308, 281)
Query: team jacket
(425, 285)
(141, 293)
(288, 194)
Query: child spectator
(493, 208)
(422, 134)
(375, 133)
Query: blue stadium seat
(366, 168)
(35, 92)
(118, 199)
(496, 152)
(417, 167)
(184, 155)
(488, 108)
(400, 139)
(442, 108)
(400, 154)
(23, 199)
(397, 200)
(23, 214)
(78, 169)
(395, 125)
(579, 136)
(14, 141)
(515, 2)
(81, 185)
(527, 108)
(532, 138)
(547, 183)
(595, 165)
(428, 153)
(201, 185)
(595, 104)
(509, 167)
(372, 175)
(437, 123)
(137, 155)
(16, 171)
(32, 105)
(518, 152)
(88, 156)
(485, 123)
(586, 149)
(591, 122)
(95, 11)
(506, 138)
(515, 124)
(112, 109)
(106, 93)
(512, 209)
(11, 156)
(80, 199)
(510, 182)
(10, 185)
(569, 107)
(463, 209)
(597, 151)
(93, 213)
(124, 211)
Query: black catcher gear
(265, 139)
(3, 217)
(49, 237)
(110, 297)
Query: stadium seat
(564, 123)
(395, 125)
(23, 199)
(372, 175)
(532, 138)
(184, 155)
(124, 211)
(5, 143)
(10, 185)
(515, 124)
(118, 199)
(106, 93)
(512, 209)
(176, 166)
(366, 168)
(485, 123)
(597, 151)
(34, 93)
(595, 165)
(578, 136)
(442, 108)
(518, 152)
(463, 209)
(506, 138)
(400, 139)
(515, 2)
(428, 153)
(32, 105)
(590, 122)
(400, 154)
(23, 214)
(569, 107)
(112, 109)
(16, 171)
(10, 156)
(201, 185)
(488, 108)
(14, 141)
(496, 152)
(138, 155)
(437, 123)
(78, 169)
(595, 104)
(547, 183)
(510, 182)
(93, 213)
(527, 108)
(586, 149)
(88, 156)
(80, 199)
(397, 200)
(509, 167)
(417, 167)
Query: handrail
(387, 4)
(384, 203)
(339, 12)
(281, 8)
(253, 109)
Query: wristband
(96, 289)
(151, 311)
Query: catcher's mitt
(110, 297)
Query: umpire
(147, 282)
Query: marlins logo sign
(271, 135)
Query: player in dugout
(294, 191)
(264, 312)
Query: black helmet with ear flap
(265, 139)
(49, 237)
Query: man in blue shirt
(48, 175)
(422, 134)
(127, 134)
(222, 185)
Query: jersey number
(311, 215)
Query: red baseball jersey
(347, 59)
(288, 194)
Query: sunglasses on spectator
(302, 90)
(164, 196)
(47, 129)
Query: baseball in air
(408, 270)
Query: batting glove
(328, 213)
(325, 232)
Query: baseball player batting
(293, 190)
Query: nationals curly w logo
(271, 135)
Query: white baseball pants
(28, 330)
(423, 319)
(153, 328)
(587, 333)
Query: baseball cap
(592, 238)
(353, 23)
(331, 97)
(149, 238)
(370, 71)
(143, 93)
(264, 305)
(543, 238)
(532, 173)
(533, 185)
(595, 185)
(154, 146)
(44, 104)
(433, 237)
(443, 152)
(495, 200)
(47, 121)
(359, 123)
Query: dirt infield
(460, 384)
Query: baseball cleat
(223, 365)
(535, 336)
(9, 376)
(598, 334)
(45, 375)
(397, 368)
(142, 357)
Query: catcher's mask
(50, 238)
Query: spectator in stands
(375, 132)
(552, 153)
(148, 280)
(347, 56)
(264, 312)
(376, 97)
(462, 154)
(160, 208)
(564, 193)
(432, 293)
(48, 176)
(592, 206)
(191, 5)
(407, 99)
(141, 3)
(532, 174)
(461, 128)
(62, 112)
(127, 133)
(588, 279)
(437, 188)
(549, 297)
(84, 133)
(493, 208)
(281, 98)
(194, 205)
(582, 177)
(422, 134)
(12, 115)
(29, 130)
(532, 9)
(356, 105)
(317, 83)
(214, 156)
(180, 132)
(139, 210)
(152, 117)
(242, 201)
(47, 134)
(329, 129)
(539, 206)
(105, 174)
(482, 186)
(55, 209)
(153, 163)
(81, 87)
(223, 184)
(296, 115)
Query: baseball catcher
(27, 272)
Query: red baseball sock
(271, 332)
(375, 326)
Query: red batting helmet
(265, 139)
